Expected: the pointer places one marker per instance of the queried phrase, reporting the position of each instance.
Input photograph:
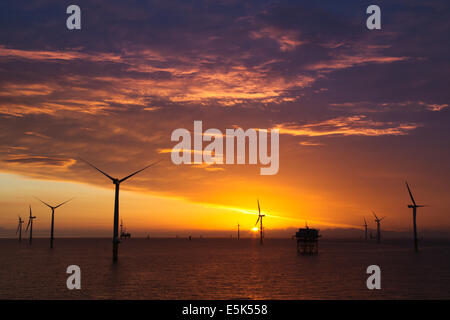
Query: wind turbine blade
(410, 194)
(127, 177)
(365, 222)
(59, 205)
(44, 203)
(375, 215)
(28, 225)
(382, 218)
(259, 217)
(259, 209)
(104, 173)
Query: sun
(255, 229)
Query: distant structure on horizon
(307, 241)
(123, 232)
(260, 220)
(19, 228)
(30, 225)
(365, 227)
(378, 220)
(238, 233)
(53, 208)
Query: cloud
(39, 161)
(383, 106)
(37, 134)
(43, 55)
(350, 61)
(287, 40)
(358, 125)
(434, 106)
(231, 65)
(117, 99)
(310, 143)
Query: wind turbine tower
(117, 183)
(365, 227)
(377, 220)
(239, 236)
(260, 220)
(414, 206)
(30, 225)
(53, 208)
(19, 228)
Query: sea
(222, 269)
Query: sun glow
(255, 229)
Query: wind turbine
(53, 217)
(19, 228)
(414, 206)
(238, 232)
(377, 220)
(30, 225)
(117, 183)
(260, 220)
(365, 227)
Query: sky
(359, 112)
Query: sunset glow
(354, 121)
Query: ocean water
(222, 269)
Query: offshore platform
(307, 241)
(123, 232)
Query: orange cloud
(39, 161)
(348, 61)
(56, 55)
(346, 126)
(286, 39)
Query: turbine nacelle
(416, 206)
(377, 220)
(117, 181)
(54, 207)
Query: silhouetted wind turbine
(30, 225)
(53, 208)
(260, 220)
(239, 236)
(117, 183)
(19, 228)
(377, 220)
(365, 227)
(414, 206)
